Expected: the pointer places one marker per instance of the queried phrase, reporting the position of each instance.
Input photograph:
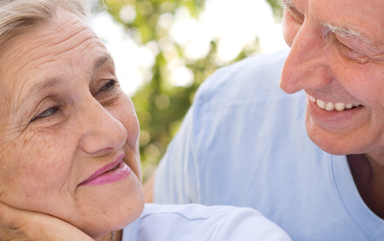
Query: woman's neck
(117, 237)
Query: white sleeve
(194, 222)
(246, 224)
(176, 176)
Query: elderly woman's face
(65, 125)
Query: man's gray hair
(17, 16)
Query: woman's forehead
(61, 47)
(62, 36)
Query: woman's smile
(112, 172)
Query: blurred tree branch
(160, 106)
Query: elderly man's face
(65, 128)
(337, 57)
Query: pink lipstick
(112, 172)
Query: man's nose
(307, 65)
(101, 133)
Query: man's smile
(329, 106)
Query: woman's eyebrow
(102, 60)
(51, 82)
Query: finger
(5, 234)
(12, 218)
(18, 224)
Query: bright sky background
(236, 23)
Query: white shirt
(244, 143)
(195, 222)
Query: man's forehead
(356, 18)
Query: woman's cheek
(124, 111)
(30, 174)
(290, 27)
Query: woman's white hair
(17, 16)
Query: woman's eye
(108, 93)
(46, 113)
(108, 86)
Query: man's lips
(117, 164)
(330, 106)
(334, 119)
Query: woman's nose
(307, 65)
(101, 133)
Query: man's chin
(334, 143)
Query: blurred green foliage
(161, 107)
(277, 8)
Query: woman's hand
(16, 224)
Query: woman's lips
(112, 172)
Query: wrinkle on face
(337, 55)
(44, 159)
(362, 20)
(53, 42)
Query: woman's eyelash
(111, 84)
(108, 86)
(46, 113)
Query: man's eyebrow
(346, 32)
(289, 3)
(292, 7)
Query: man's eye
(108, 86)
(46, 113)
(352, 54)
(299, 18)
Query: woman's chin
(122, 208)
(118, 221)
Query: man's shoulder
(254, 77)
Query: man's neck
(369, 179)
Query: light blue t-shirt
(195, 222)
(244, 143)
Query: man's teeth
(330, 106)
(321, 104)
(349, 106)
